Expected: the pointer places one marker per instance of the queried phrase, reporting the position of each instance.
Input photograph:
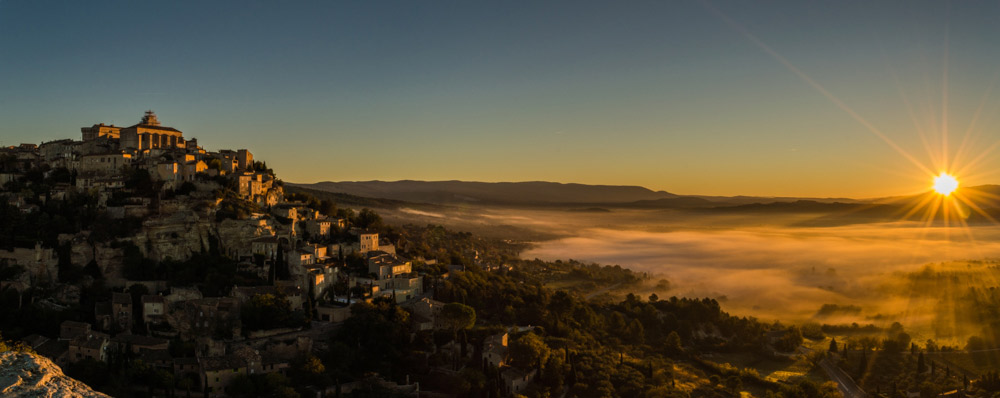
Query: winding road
(847, 386)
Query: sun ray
(977, 159)
(963, 146)
(919, 206)
(913, 116)
(944, 93)
(815, 85)
(928, 106)
(972, 238)
(972, 205)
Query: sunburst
(945, 184)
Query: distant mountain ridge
(540, 193)
(520, 193)
(581, 197)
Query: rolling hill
(503, 193)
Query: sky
(774, 98)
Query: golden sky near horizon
(847, 99)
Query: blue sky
(667, 95)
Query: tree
(267, 311)
(378, 331)
(311, 371)
(528, 351)
(560, 305)
(921, 366)
(456, 316)
(833, 345)
(634, 332)
(791, 340)
(673, 343)
(327, 208)
(930, 345)
(368, 218)
(313, 365)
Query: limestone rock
(24, 375)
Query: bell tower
(150, 119)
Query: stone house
(104, 164)
(367, 241)
(300, 258)
(153, 308)
(102, 315)
(136, 343)
(516, 380)
(212, 317)
(121, 311)
(384, 265)
(69, 330)
(319, 228)
(93, 345)
(185, 365)
(495, 350)
(218, 372)
(425, 311)
(244, 159)
(192, 168)
(265, 246)
(333, 313)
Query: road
(847, 386)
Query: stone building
(368, 241)
(100, 131)
(153, 308)
(149, 134)
(121, 310)
(93, 345)
(69, 330)
(244, 159)
(104, 164)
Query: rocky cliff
(30, 375)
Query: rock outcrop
(25, 375)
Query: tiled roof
(153, 127)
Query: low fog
(755, 265)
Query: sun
(945, 184)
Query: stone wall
(40, 265)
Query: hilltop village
(190, 244)
(147, 266)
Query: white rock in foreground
(31, 375)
